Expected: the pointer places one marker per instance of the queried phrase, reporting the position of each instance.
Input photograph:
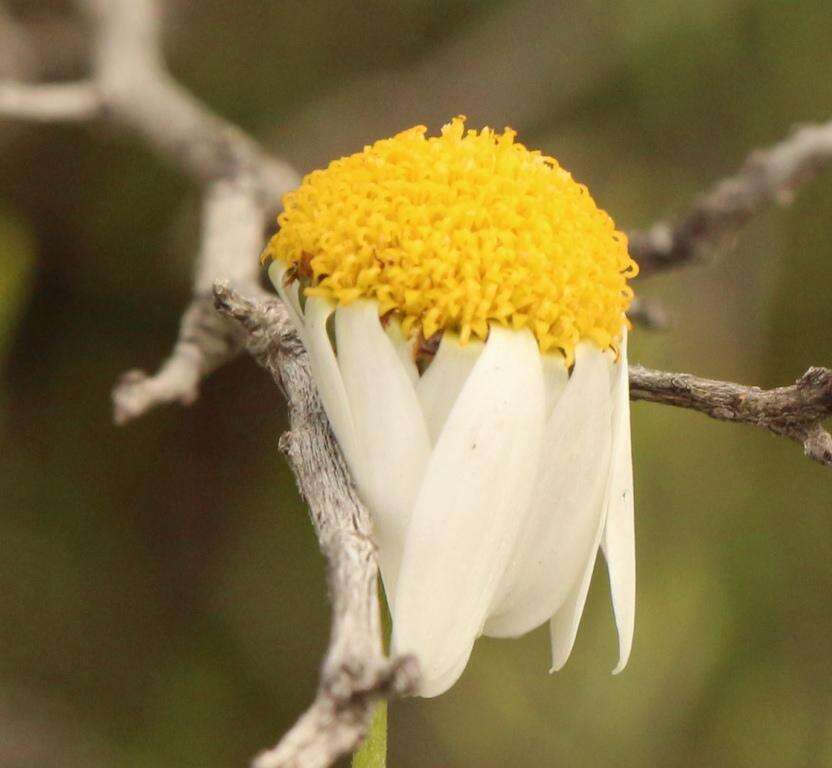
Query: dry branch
(243, 186)
(647, 313)
(355, 672)
(50, 103)
(768, 176)
(129, 85)
(232, 231)
(796, 411)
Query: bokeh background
(162, 599)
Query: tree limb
(768, 176)
(796, 411)
(140, 93)
(130, 85)
(232, 231)
(355, 672)
(50, 103)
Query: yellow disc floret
(458, 231)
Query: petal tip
(559, 658)
(623, 659)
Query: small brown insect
(386, 318)
(301, 269)
(304, 265)
(426, 349)
(290, 276)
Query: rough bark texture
(796, 411)
(355, 672)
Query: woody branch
(797, 411)
(355, 671)
(242, 184)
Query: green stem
(373, 751)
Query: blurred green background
(162, 598)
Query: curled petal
(327, 376)
(289, 293)
(618, 541)
(444, 379)
(563, 528)
(470, 507)
(404, 349)
(389, 425)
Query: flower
(475, 376)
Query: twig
(245, 186)
(355, 672)
(140, 93)
(648, 314)
(232, 231)
(796, 411)
(50, 103)
(130, 86)
(767, 177)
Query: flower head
(495, 472)
(457, 232)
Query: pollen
(459, 232)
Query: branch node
(405, 676)
(818, 445)
(285, 443)
(136, 392)
(648, 314)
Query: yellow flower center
(457, 231)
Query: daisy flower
(463, 301)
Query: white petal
(471, 504)
(443, 380)
(555, 379)
(404, 349)
(562, 529)
(390, 428)
(563, 628)
(618, 541)
(289, 293)
(434, 686)
(327, 376)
